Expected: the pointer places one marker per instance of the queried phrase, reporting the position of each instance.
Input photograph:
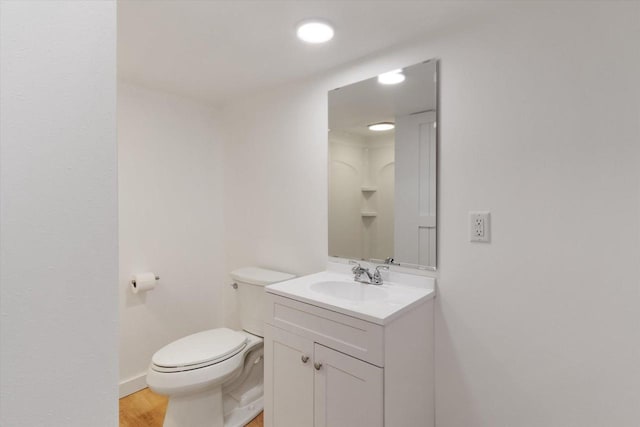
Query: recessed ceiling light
(314, 31)
(392, 77)
(382, 126)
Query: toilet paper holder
(133, 282)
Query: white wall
(539, 125)
(276, 172)
(171, 222)
(58, 216)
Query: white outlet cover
(479, 226)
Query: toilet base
(202, 409)
(241, 416)
(205, 409)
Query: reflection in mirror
(382, 167)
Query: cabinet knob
(304, 358)
(317, 365)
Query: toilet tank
(251, 282)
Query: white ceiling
(216, 50)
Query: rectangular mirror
(382, 168)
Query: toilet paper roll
(143, 282)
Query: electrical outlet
(479, 227)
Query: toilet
(215, 378)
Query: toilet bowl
(214, 378)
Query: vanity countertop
(335, 289)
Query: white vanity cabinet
(313, 385)
(290, 375)
(328, 369)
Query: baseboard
(133, 384)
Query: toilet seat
(199, 350)
(183, 381)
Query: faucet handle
(391, 261)
(356, 266)
(381, 267)
(377, 277)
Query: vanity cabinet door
(348, 392)
(288, 361)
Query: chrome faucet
(358, 271)
(369, 279)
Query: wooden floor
(146, 409)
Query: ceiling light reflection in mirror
(381, 127)
(392, 77)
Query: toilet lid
(259, 276)
(201, 349)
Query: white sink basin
(335, 289)
(351, 291)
